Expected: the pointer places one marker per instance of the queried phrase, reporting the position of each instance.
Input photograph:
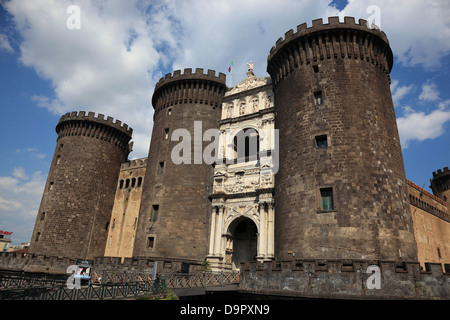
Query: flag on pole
(229, 68)
(229, 71)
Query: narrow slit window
(50, 186)
(43, 216)
(321, 141)
(150, 242)
(326, 197)
(38, 235)
(169, 111)
(155, 210)
(161, 167)
(316, 68)
(318, 100)
(166, 133)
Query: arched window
(246, 145)
(139, 182)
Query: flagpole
(230, 70)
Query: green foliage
(205, 266)
(165, 295)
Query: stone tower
(340, 188)
(440, 184)
(78, 198)
(175, 209)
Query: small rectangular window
(155, 210)
(166, 133)
(321, 141)
(326, 198)
(316, 68)
(50, 186)
(161, 167)
(58, 159)
(169, 111)
(150, 242)
(318, 100)
(38, 235)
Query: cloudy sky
(111, 63)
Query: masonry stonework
(174, 214)
(79, 194)
(332, 81)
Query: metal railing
(106, 285)
(18, 280)
(200, 280)
(127, 286)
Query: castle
(307, 165)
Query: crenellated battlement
(344, 279)
(318, 26)
(189, 87)
(134, 164)
(441, 172)
(100, 118)
(332, 40)
(332, 266)
(187, 75)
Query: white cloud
(429, 92)
(19, 172)
(20, 197)
(418, 30)
(4, 44)
(107, 66)
(398, 92)
(418, 125)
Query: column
(270, 231)
(212, 232)
(218, 236)
(262, 239)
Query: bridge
(111, 285)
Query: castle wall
(125, 213)
(431, 225)
(349, 198)
(79, 193)
(346, 279)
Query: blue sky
(111, 64)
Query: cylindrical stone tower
(440, 184)
(175, 209)
(79, 194)
(340, 189)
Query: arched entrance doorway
(244, 235)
